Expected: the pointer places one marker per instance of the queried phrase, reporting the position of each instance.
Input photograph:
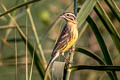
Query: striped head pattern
(70, 17)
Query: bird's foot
(71, 50)
(69, 62)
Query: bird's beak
(62, 16)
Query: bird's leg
(66, 59)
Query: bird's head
(69, 17)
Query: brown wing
(63, 40)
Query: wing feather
(63, 40)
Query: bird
(67, 38)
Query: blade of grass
(98, 59)
(42, 56)
(16, 58)
(7, 27)
(10, 23)
(85, 10)
(90, 54)
(26, 50)
(108, 25)
(114, 8)
(99, 68)
(11, 26)
(100, 40)
(36, 37)
(102, 44)
(31, 70)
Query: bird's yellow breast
(74, 35)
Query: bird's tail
(49, 64)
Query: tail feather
(50, 63)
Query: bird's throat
(70, 24)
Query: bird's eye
(67, 14)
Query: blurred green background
(45, 13)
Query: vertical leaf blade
(108, 25)
(102, 46)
